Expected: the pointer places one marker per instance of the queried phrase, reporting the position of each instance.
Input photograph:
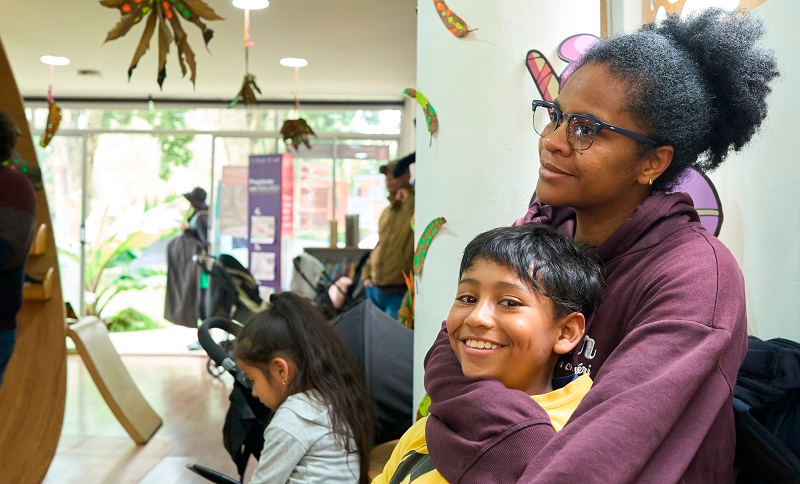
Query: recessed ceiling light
(293, 62)
(251, 4)
(361, 155)
(54, 60)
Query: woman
(665, 344)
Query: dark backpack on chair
(767, 411)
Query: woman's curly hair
(9, 133)
(698, 84)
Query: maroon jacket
(17, 216)
(663, 349)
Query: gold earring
(651, 182)
(284, 382)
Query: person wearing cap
(198, 220)
(185, 298)
(394, 253)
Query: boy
(523, 297)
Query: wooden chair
(379, 456)
(113, 380)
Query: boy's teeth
(481, 345)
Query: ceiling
(357, 50)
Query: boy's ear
(571, 330)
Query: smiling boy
(523, 297)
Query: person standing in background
(17, 220)
(394, 254)
(185, 298)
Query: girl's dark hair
(8, 136)
(546, 260)
(294, 329)
(698, 84)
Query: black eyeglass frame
(598, 125)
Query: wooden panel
(113, 380)
(34, 388)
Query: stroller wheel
(214, 369)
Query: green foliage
(116, 246)
(174, 148)
(130, 319)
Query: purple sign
(264, 224)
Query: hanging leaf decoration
(163, 15)
(296, 131)
(247, 94)
(453, 22)
(430, 114)
(425, 242)
(53, 120)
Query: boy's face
(501, 328)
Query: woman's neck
(594, 226)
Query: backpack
(766, 408)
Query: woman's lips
(551, 172)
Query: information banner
(269, 225)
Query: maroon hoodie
(663, 349)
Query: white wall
(480, 169)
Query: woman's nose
(556, 141)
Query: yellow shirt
(410, 463)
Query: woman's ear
(571, 330)
(655, 163)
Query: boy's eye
(510, 303)
(467, 299)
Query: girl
(322, 426)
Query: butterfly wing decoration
(53, 120)
(705, 198)
(430, 114)
(296, 131)
(425, 242)
(451, 21)
(247, 94)
(163, 15)
(542, 73)
(571, 50)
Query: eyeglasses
(581, 128)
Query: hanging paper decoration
(570, 50)
(430, 114)
(247, 94)
(453, 22)
(425, 242)
(296, 131)
(53, 114)
(165, 13)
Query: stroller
(232, 293)
(311, 280)
(381, 347)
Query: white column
(480, 169)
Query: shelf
(39, 244)
(39, 291)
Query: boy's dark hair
(544, 259)
(698, 84)
(294, 329)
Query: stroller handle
(217, 352)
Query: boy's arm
(469, 417)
